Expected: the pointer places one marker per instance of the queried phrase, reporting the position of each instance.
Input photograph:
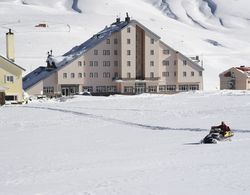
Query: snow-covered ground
(216, 30)
(140, 145)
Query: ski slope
(144, 144)
(216, 30)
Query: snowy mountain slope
(217, 30)
(113, 145)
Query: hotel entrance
(140, 88)
(68, 90)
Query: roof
(191, 61)
(242, 69)
(43, 72)
(12, 63)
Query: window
(87, 88)
(248, 82)
(116, 75)
(95, 63)
(128, 52)
(166, 51)
(128, 89)
(128, 30)
(151, 75)
(184, 74)
(115, 63)
(91, 63)
(128, 41)
(115, 52)
(9, 79)
(84, 74)
(106, 52)
(152, 52)
(183, 87)
(115, 41)
(171, 87)
(175, 73)
(175, 62)
(101, 89)
(106, 75)
(184, 62)
(152, 89)
(108, 41)
(96, 74)
(95, 52)
(192, 73)
(72, 75)
(193, 87)
(165, 74)
(106, 63)
(11, 97)
(91, 75)
(47, 90)
(129, 75)
(152, 41)
(165, 62)
(80, 75)
(111, 89)
(162, 88)
(64, 75)
(200, 73)
(79, 63)
(128, 63)
(152, 63)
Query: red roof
(243, 68)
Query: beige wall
(241, 79)
(13, 88)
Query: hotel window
(115, 41)
(91, 63)
(96, 74)
(64, 75)
(165, 62)
(166, 51)
(128, 52)
(152, 89)
(184, 74)
(79, 75)
(128, 30)
(106, 52)
(128, 63)
(128, 41)
(108, 41)
(165, 74)
(95, 52)
(162, 88)
(106, 75)
(95, 63)
(184, 62)
(171, 87)
(128, 89)
(152, 41)
(106, 63)
(84, 74)
(175, 73)
(152, 63)
(111, 89)
(175, 62)
(115, 63)
(200, 73)
(116, 75)
(48, 90)
(183, 87)
(72, 75)
(79, 63)
(152, 52)
(192, 74)
(151, 75)
(115, 52)
(91, 75)
(128, 75)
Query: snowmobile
(215, 136)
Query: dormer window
(128, 30)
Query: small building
(125, 57)
(235, 78)
(10, 74)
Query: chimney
(118, 20)
(10, 54)
(127, 19)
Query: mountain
(216, 30)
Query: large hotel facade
(125, 58)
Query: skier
(224, 129)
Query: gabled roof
(9, 61)
(242, 69)
(191, 61)
(42, 72)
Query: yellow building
(11, 80)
